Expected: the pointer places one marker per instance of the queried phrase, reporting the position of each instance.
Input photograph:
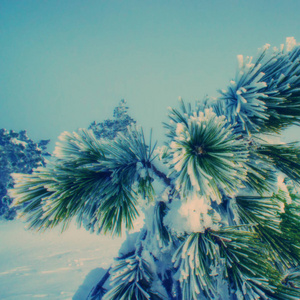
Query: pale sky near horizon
(66, 63)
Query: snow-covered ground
(52, 265)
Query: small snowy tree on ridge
(220, 198)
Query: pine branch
(159, 230)
(131, 279)
(90, 179)
(266, 213)
(249, 272)
(264, 96)
(193, 260)
(161, 175)
(205, 155)
(242, 260)
(98, 290)
(285, 158)
(260, 176)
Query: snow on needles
(194, 215)
(207, 156)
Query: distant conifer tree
(110, 128)
(18, 154)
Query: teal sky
(66, 63)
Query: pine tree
(221, 197)
(18, 154)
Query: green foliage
(161, 232)
(284, 157)
(235, 254)
(131, 279)
(261, 177)
(250, 272)
(207, 157)
(89, 179)
(193, 259)
(269, 215)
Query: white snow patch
(51, 265)
(18, 142)
(282, 186)
(194, 215)
(290, 43)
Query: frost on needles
(220, 197)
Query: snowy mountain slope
(52, 265)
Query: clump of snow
(18, 142)
(290, 43)
(180, 128)
(194, 215)
(165, 194)
(282, 186)
(141, 170)
(160, 152)
(129, 243)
